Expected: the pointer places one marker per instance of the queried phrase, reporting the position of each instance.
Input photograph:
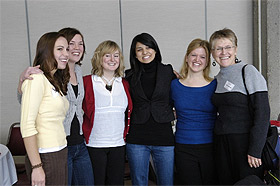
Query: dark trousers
(108, 165)
(54, 165)
(231, 158)
(194, 164)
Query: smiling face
(197, 60)
(144, 53)
(76, 48)
(224, 52)
(61, 54)
(111, 61)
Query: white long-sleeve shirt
(109, 115)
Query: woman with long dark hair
(150, 131)
(79, 165)
(43, 109)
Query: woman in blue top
(196, 115)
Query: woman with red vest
(107, 106)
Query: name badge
(54, 93)
(229, 86)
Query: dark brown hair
(69, 33)
(135, 65)
(45, 58)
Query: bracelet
(36, 166)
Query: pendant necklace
(108, 85)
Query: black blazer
(159, 106)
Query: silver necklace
(109, 83)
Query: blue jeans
(138, 159)
(79, 166)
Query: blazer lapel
(140, 91)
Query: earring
(236, 60)
(214, 63)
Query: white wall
(14, 57)
(173, 23)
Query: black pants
(231, 152)
(108, 165)
(194, 164)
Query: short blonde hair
(106, 47)
(196, 43)
(220, 34)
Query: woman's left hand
(254, 162)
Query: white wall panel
(238, 16)
(96, 19)
(172, 23)
(14, 58)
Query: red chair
(16, 145)
(15, 141)
(17, 148)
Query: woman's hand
(28, 71)
(177, 74)
(38, 177)
(38, 174)
(26, 75)
(254, 162)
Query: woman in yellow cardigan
(43, 110)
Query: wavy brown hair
(45, 58)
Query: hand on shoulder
(28, 71)
(26, 75)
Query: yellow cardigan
(42, 112)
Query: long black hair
(135, 65)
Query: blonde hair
(106, 47)
(224, 33)
(196, 43)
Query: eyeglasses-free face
(224, 52)
(61, 52)
(144, 53)
(197, 60)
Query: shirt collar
(98, 78)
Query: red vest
(89, 107)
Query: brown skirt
(54, 165)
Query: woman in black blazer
(150, 131)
